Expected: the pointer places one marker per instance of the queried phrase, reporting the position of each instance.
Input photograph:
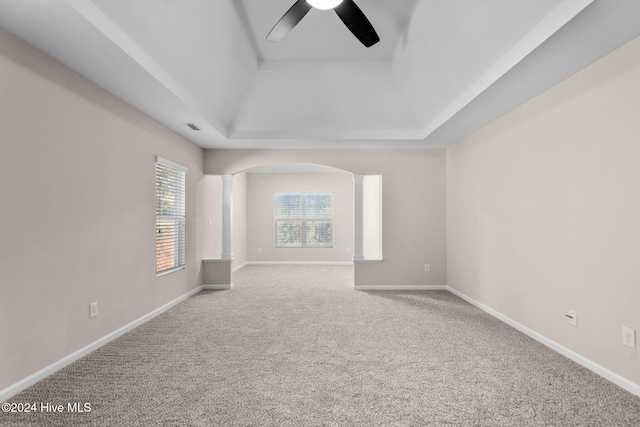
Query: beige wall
(542, 211)
(544, 208)
(261, 187)
(77, 201)
(414, 204)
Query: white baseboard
(217, 287)
(620, 381)
(299, 263)
(399, 288)
(23, 384)
(238, 267)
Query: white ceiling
(441, 70)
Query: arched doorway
(241, 210)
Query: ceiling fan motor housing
(324, 4)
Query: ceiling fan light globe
(324, 4)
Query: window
(170, 216)
(303, 220)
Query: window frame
(176, 214)
(303, 219)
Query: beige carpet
(297, 346)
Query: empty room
(319, 212)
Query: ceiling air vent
(192, 126)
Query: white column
(358, 212)
(227, 217)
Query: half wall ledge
(216, 273)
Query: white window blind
(303, 219)
(170, 216)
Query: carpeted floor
(297, 346)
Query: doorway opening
(292, 214)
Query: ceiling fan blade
(357, 23)
(289, 20)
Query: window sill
(303, 247)
(173, 270)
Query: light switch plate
(93, 309)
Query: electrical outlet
(427, 268)
(629, 337)
(348, 250)
(93, 310)
(259, 250)
(572, 315)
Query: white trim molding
(217, 287)
(171, 164)
(298, 263)
(23, 384)
(618, 380)
(239, 267)
(399, 288)
(43, 373)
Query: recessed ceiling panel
(456, 49)
(432, 79)
(201, 44)
(328, 100)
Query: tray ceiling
(441, 70)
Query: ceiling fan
(347, 10)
